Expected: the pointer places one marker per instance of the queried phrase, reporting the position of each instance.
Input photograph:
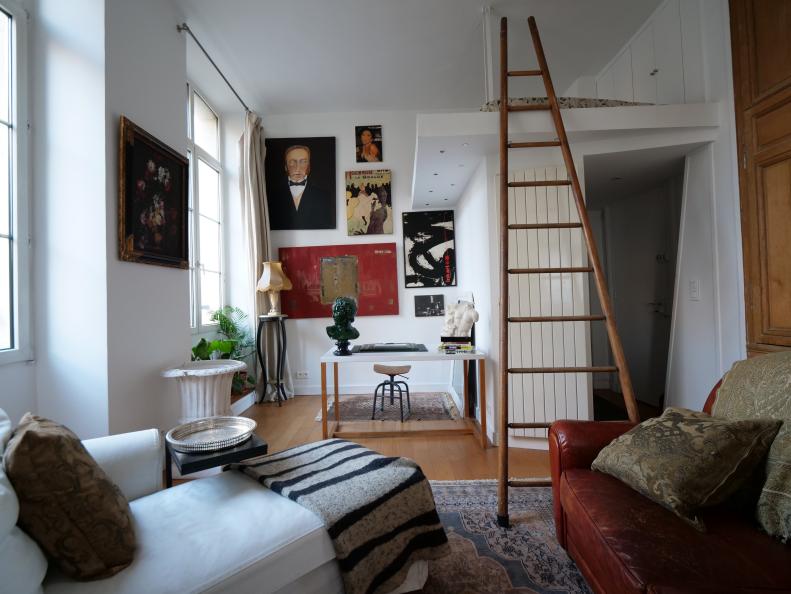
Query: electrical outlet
(302, 375)
(694, 289)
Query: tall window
(14, 251)
(206, 261)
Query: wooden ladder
(593, 258)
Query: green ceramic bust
(343, 312)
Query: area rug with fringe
(487, 559)
(425, 406)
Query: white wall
(18, 394)
(693, 363)
(473, 261)
(307, 339)
(70, 213)
(731, 336)
(148, 306)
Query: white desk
(403, 357)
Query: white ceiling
(301, 56)
(612, 176)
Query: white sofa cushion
(224, 533)
(22, 564)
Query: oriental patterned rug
(486, 559)
(426, 406)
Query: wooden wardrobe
(761, 42)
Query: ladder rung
(530, 107)
(529, 425)
(549, 270)
(558, 319)
(536, 184)
(537, 144)
(537, 482)
(606, 369)
(517, 226)
(524, 73)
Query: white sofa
(225, 533)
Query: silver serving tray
(210, 434)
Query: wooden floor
(454, 457)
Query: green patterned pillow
(686, 460)
(761, 387)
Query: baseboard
(241, 405)
(315, 390)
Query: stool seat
(391, 369)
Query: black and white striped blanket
(379, 511)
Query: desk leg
(466, 412)
(336, 403)
(482, 401)
(168, 468)
(324, 401)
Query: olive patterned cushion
(761, 387)
(686, 460)
(67, 504)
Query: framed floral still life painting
(152, 200)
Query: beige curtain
(255, 221)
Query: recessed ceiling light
(451, 185)
(445, 199)
(431, 191)
(442, 151)
(426, 203)
(435, 173)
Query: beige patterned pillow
(761, 387)
(686, 460)
(67, 503)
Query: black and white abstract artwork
(429, 249)
(427, 306)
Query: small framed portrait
(152, 200)
(427, 306)
(300, 183)
(368, 141)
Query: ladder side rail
(502, 484)
(601, 287)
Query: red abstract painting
(377, 278)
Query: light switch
(694, 289)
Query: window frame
(196, 153)
(19, 195)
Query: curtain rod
(185, 27)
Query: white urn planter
(205, 387)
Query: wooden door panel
(772, 124)
(761, 43)
(771, 24)
(774, 192)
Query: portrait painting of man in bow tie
(300, 181)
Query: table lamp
(272, 281)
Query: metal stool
(393, 384)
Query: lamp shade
(273, 278)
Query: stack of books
(450, 348)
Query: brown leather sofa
(622, 542)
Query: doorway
(634, 203)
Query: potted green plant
(233, 328)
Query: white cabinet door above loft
(668, 59)
(622, 76)
(605, 85)
(643, 68)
